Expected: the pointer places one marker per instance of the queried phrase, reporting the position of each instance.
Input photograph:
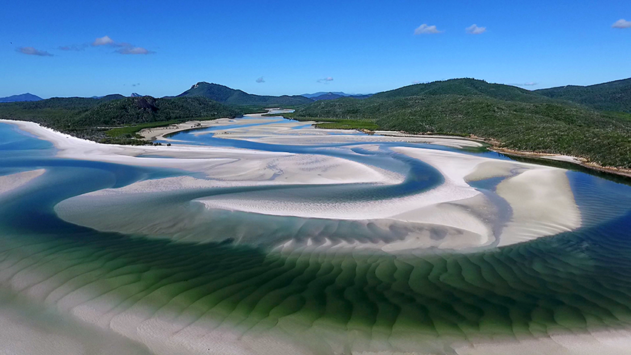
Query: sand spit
(274, 130)
(225, 164)
(159, 132)
(13, 181)
(285, 132)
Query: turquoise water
(571, 282)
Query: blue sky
(292, 47)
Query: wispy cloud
(103, 41)
(325, 80)
(123, 47)
(526, 84)
(33, 51)
(475, 29)
(74, 47)
(260, 80)
(133, 50)
(622, 23)
(425, 29)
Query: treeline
(612, 96)
(91, 118)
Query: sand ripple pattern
(182, 294)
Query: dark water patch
(599, 199)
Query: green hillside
(91, 118)
(146, 109)
(514, 117)
(226, 95)
(611, 96)
(464, 87)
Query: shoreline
(493, 146)
(152, 134)
(578, 161)
(157, 133)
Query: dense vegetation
(612, 96)
(517, 118)
(464, 87)
(92, 118)
(334, 96)
(226, 95)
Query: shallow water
(317, 302)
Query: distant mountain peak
(133, 94)
(227, 95)
(20, 98)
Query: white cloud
(33, 51)
(425, 29)
(125, 48)
(475, 30)
(260, 80)
(133, 50)
(622, 23)
(325, 80)
(103, 41)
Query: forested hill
(611, 96)
(464, 87)
(226, 95)
(89, 118)
(517, 118)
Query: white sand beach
(453, 204)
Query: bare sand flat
(13, 181)
(542, 202)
